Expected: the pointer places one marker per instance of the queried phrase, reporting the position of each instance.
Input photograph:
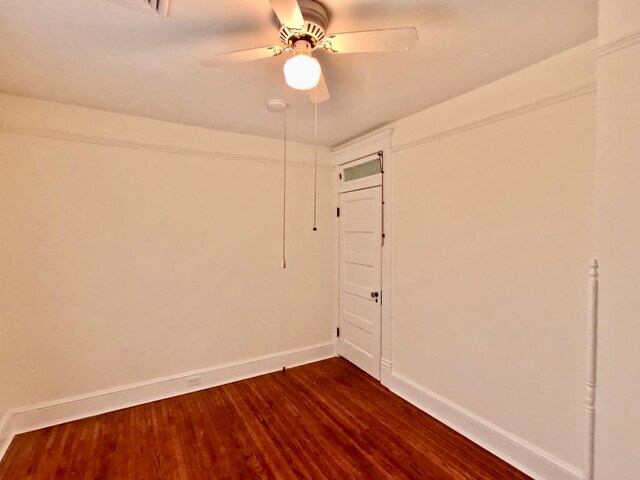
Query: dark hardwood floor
(326, 420)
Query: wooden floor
(326, 420)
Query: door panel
(360, 278)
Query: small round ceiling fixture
(276, 105)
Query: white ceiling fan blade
(322, 94)
(388, 40)
(242, 56)
(289, 14)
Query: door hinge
(338, 332)
(338, 211)
(340, 176)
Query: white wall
(492, 229)
(618, 244)
(617, 19)
(133, 249)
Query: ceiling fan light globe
(302, 72)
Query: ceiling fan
(304, 29)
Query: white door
(360, 278)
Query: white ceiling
(100, 54)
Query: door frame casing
(347, 153)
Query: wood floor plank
(327, 420)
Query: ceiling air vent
(161, 7)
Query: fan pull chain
(315, 166)
(284, 185)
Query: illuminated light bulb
(302, 71)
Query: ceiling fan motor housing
(316, 20)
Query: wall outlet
(193, 381)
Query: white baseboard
(74, 408)
(6, 434)
(385, 372)
(526, 457)
(533, 461)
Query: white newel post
(592, 351)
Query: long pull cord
(284, 185)
(315, 165)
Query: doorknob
(375, 296)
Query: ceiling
(99, 54)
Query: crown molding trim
(618, 44)
(521, 110)
(368, 144)
(143, 146)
